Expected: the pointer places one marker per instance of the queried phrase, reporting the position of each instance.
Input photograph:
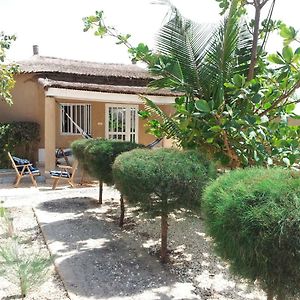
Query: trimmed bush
(97, 156)
(254, 217)
(161, 181)
(20, 138)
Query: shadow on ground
(95, 259)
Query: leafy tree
(7, 72)
(253, 215)
(236, 99)
(162, 181)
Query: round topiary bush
(161, 181)
(78, 150)
(254, 217)
(96, 156)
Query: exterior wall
(294, 122)
(29, 105)
(98, 123)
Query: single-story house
(103, 99)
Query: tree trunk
(280, 296)
(164, 237)
(255, 40)
(122, 213)
(270, 295)
(100, 191)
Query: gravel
(192, 258)
(26, 227)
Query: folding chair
(23, 168)
(66, 173)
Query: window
(80, 114)
(122, 122)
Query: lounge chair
(65, 173)
(23, 168)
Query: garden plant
(19, 138)
(21, 267)
(236, 97)
(6, 71)
(161, 181)
(253, 216)
(97, 157)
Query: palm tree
(198, 61)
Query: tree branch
(281, 98)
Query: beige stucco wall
(98, 124)
(29, 105)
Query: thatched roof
(44, 64)
(119, 89)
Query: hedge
(254, 217)
(20, 138)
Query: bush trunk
(122, 213)
(164, 237)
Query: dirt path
(96, 260)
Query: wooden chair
(65, 173)
(23, 168)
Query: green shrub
(254, 217)
(20, 138)
(97, 156)
(100, 155)
(161, 181)
(78, 149)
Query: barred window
(75, 114)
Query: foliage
(17, 135)
(161, 181)
(26, 270)
(7, 72)
(254, 217)
(6, 223)
(237, 116)
(98, 155)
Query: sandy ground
(191, 256)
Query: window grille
(80, 114)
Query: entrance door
(122, 122)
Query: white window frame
(128, 107)
(86, 125)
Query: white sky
(56, 25)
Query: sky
(57, 26)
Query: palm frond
(169, 126)
(226, 56)
(187, 42)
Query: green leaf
(256, 98)
(274, 58)
(215, 128)
(238, 80)
(202, 105)
(287, 53)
